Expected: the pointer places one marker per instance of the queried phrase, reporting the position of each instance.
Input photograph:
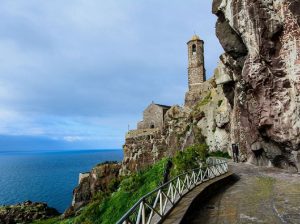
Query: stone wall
(143, 149)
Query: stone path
(261, 195)
(178, 212)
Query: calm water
(47, 176)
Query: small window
(152, 126)
(194, 49)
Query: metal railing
(154, 206)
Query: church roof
(163, 106)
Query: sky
(75, 74)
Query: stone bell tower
(196, 70)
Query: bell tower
(196, 70)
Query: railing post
(143, 213)
(161, 203)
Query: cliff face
(262, 39)
(26, 212)
(253, 98)
(100, 179)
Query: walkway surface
(181, 208)
(261, 195)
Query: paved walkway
(181, 208)
(261, 195)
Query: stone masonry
(196, 69)
(153, 116)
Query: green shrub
(214, 128)
(107, 162)
(132, 183)
(190, 158)
(47, 221)
(205, 100)
(99, 196)
(220, 102)
(114, 185)
(220, 154)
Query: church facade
(153, 116)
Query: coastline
(47, 176)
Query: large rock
(98, 180)
(265, 92)
(26, 212)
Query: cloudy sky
(75, 73)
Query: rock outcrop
(100, 179)
(26, 212)
(262, 40)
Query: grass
(49, 221)
(205, 101)
(197, 112)
(111, 208)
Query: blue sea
(47, 176)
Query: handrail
(155, 205)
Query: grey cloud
(104, 59)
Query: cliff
(261, 40)
(252, 98)
(26, 212)
(100, 179)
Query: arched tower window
(152, 126)
(194, 48)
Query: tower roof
(195, 37)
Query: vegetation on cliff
(109, 207)
(189, 158)
(26, 212)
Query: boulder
(26, 212)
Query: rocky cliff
(253, 97)
(101, 178)
(26, 212)
(262, 43)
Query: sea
(47, 176)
